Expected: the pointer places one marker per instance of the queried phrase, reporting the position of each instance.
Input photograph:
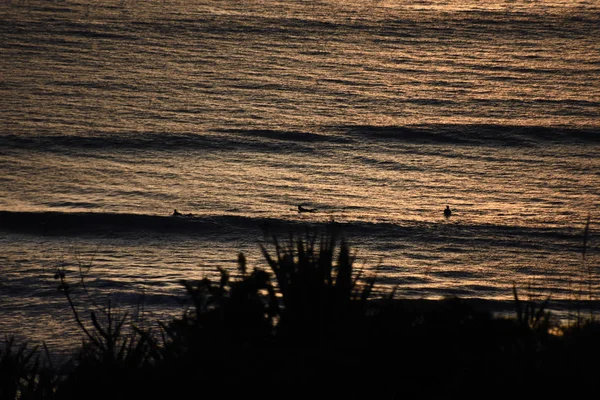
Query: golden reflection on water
(246, 109)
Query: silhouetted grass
(23, 374)
(308, 327)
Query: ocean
(378, 114)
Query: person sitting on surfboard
(176, 213)
(447, 212)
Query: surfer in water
(447, 212)
(302, 209)
(178, 214)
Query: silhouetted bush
(306, 328)
(23, 375)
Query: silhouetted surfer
(447, 212)
(302, 209)
(178, 214)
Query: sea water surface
(376, 113)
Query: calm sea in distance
(378, 114)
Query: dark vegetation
(308, 328)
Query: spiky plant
(24, 374)
(319, 289)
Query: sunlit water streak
(376, 113)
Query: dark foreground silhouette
(309, 328)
